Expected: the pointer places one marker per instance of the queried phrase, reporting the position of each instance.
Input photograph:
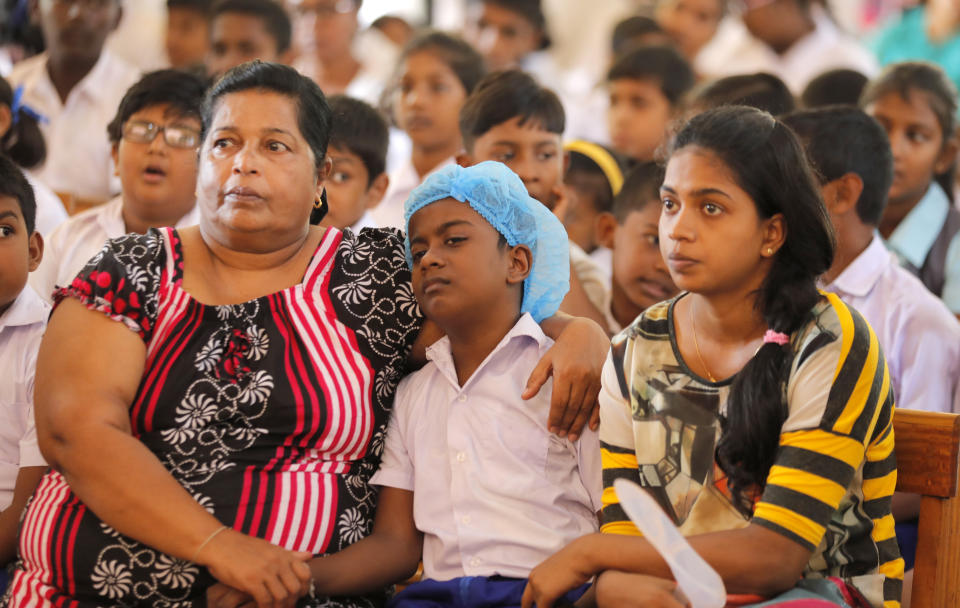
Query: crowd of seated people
(331, 312)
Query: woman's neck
(729, 318)
(426, 159)
(250, 254)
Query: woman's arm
(88, 371)
(27, 480)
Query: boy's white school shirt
(389, 212)
(21, 328)
(494, 491)
(71, 245)
(78, 149)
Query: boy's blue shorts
(469, 592)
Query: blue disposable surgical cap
(498, 195)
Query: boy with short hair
(244, 30)
(359, 137)
(23, 318)
(511, 119)
(188, 34)
(631, 232)
(75, 85)
(506, 32)
(157, 169)
(646, 87)
(469, 471)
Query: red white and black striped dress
(271, 413)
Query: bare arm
(88, 371)
(27, 480)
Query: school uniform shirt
(78, 150)
(593, 279)
(365, 221)
(68, 248)
(50, 210)
(21, 328)
(826, 47)
(919, 335)
(389, 212)
(830, 486)
(495, 493)
(927, 243)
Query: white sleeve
(928, 355)
(396, 466)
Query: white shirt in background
(78, 150)
(21, 328)
(73, 243)
(734, 51)
(592, 278)
(50, 210)
(920, 337)
(365, 221)
(494, 491)
(389, 213)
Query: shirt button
(461, 457)
(462, 398)
(465, 519)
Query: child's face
(237, 38)
(80, 33)
(502, 36)
(691, 23)
(533, 153)
(711, 236)
(188, 37)
(348, 194)
(321, 29)
(916, 140)
(158, 180)
(459, 268)
(430, 97)
(638, 117)
(639, 272)
(20, 253)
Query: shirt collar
(112, 224)
(859, 277)
(439, 352)
(916, 233)
(27, 309)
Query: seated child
(506, 32)
(155, 135)
(631, 231)
(593, 178)
(244, 30)
(468, 470)
(916, 104)
(637, 31)
(359, 138)
(23, 317)
(188, 34)
(436, 73)
(762, 91)
(834, 87)
(511, 119)
(646, 86)
(691, 23)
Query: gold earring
(769, 250)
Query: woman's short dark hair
(313, 113)
(181, 91)
(23, 142)
(459, 56)
(768, 163)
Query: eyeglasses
(176, 136)
(324, 9)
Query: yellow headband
(604, 160)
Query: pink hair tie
(775, 337)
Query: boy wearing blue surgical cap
(470, 473)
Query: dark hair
(17, 28)
(641, 186)
(459, 56)
(23, 142)
(182, 91)
(201, 6)
(313, 113)
(761, 90)
(917, 76)
(768, 163)
(844, 139)
(13, 183)
(833, 87)
(584, 172)
(505, 95)
(529, 10)
(656, 62)
(626, 32)
(361, 130)
(275, 19)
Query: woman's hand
(270, 575)
(566, 569)
(575, 361)
(615, 589)
(223, 596)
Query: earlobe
(605, 229)
(35, 245)
(377, 190)
(947, 156)
(521, 261)
(115, 155)
(776, 235)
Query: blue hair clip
(18, 106)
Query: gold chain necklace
(696, 343)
